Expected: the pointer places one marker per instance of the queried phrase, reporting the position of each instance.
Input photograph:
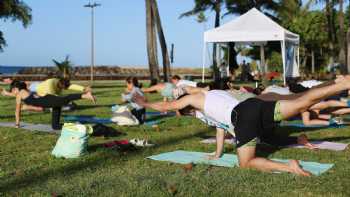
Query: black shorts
(253, 119)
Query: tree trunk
(312, 61)
(151, 43)
(232, 64)
(348, 52)
(216, 74)
(342, 58)
(165, 55)
(331, 31)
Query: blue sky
(62, 28)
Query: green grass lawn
(28, 169)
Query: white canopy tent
(256, 28)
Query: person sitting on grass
(133, 87)
(23, 95)
(252, 119)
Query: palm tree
(341, 36)
(64, 67)
(329, 12)
(151, 43)
(165, 54)
(14, 10)
(201, 6)
(239, 7)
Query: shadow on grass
(109, 85)
(288, 130)
(83, 107)
(36, 177)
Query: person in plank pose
(252, 118)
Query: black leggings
(54, 102)
(139, 114)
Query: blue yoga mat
(87, 119)
(301, 125)
(228, 160)
(94, 120)
(156, 113)
(152, 122)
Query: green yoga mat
(229, 160)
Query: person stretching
(252, 118)
(49, 101)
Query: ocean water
(10, 69)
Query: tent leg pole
(283, 49)
(203, 62)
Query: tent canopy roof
(252, 26)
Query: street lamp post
(92, 6)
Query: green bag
(73, 141)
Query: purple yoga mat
(324, 145)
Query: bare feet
(302, 140)
(89, 96)
(296, 169)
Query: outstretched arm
(18, 110)
(7, 93)
(157, 88)
(195, 101)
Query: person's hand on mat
(296, 169)
(213, 156)
(302, 140)
(89, 96)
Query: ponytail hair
(134, 81)
(20, 85)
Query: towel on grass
(228, 160)
(31, 127)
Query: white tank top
(218, 105)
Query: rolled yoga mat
(229, 160)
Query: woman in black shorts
(48, 101)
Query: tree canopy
(14, 10)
